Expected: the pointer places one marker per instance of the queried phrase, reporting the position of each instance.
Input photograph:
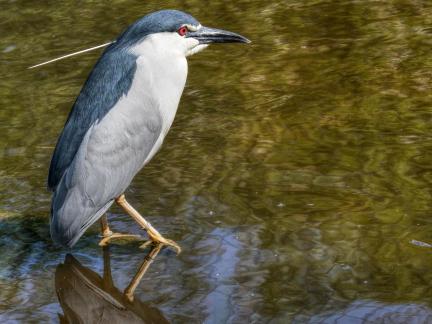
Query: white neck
(162, 71)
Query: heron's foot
(155, 237)
(108, 236)
(160, 240)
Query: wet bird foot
(155, 237)
(160, 240)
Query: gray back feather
(98, 155)
(110, 79)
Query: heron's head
(176, 31)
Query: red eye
(182, 31)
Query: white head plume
(69, 55)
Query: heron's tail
(71, 215)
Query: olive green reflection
(312, 145)
(85, 297)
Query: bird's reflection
(86, 297)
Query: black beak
(206, 35)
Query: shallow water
(296, 176)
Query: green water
(296, 177)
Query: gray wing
(112, 150)
(111, 154)
(110, 79)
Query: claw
(172, 244)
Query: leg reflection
(87, 297)
(148, 260)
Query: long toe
(171, 244)
(120, 236)
(146, 244)
(162, 241)
(175, 246)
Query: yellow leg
(105, 227)
(108, 235)
(130, 289)
(153, 234)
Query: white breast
(161, 74)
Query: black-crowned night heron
(120, 119)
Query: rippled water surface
(296, 177)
